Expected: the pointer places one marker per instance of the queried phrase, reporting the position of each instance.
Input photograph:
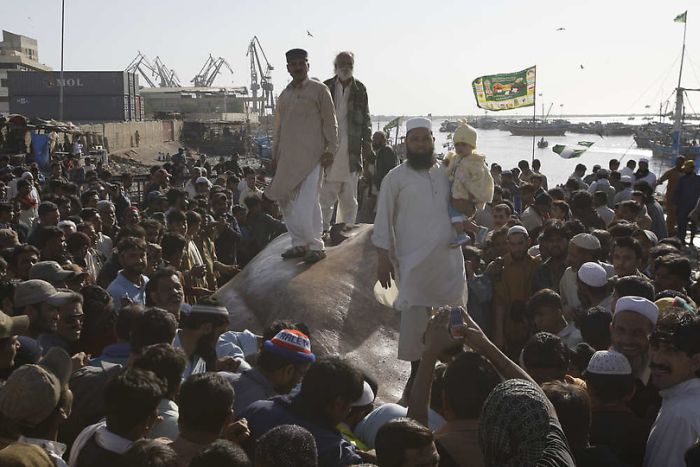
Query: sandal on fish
(295, 252)
(314, 256)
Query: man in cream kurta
(412, 230)
(306, 139)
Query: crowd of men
(566, 333)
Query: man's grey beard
(420, 161)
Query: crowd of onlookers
(580, 344)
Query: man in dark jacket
(354, 136)
(385, 158)
(685, 198)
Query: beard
(344, 73)
(420, 160)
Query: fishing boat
(678, 145)
(448, 126)
(537, 128)
(542, 143)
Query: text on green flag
(505, 91)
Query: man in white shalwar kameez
(354, 141)
(305, 141)
(412, 232)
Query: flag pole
(534, 116)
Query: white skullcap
(643, 159)
(652, 237)
(517, 229)
(418, 122)
(640, 305)
(70, 224)
(586, 241)
(366, 398)
(593, 274)
(609, 362)
(626, 179)
(202, 180)
(26, 175)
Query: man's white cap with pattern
(609, 362)
(593, 274)
(586, 241)
(640, 305)
(418, 122)
(517, 229)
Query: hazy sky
(414, 57)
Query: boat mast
(678, 115)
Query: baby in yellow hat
(471, 181)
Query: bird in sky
(581, 66)
(309, 34)
(561, 29)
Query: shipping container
(75, 108)
(75, 83)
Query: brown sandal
(295, 252)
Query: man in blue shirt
(130, 284)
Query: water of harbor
(501, 147)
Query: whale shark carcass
(333, 297)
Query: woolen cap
(593, 274)
(465, 134)
(291, 344)
(418, 122)
(640, 305)
(609, 362)
(32, 392)
(36, 291)
(586, 241)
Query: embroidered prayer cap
(418, 122)
(291, 344)
(586, 241)
(640, 305)
(465, 134)
(609, 362)
(514, 424)
(517, 229)
(295, 54)
(366, 398)
(44, 382)
(593, 274)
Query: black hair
(467, 382)
(678, 329)
(130, 398)
(131, 243)
(628, 242)
(172, 243)
(286, 446)
(166, 362)
(677, 265)
(252, 201)
(609, 388)
(156, 326)
(543, 298)
(205, 403)
(173, 194)
(46, 233)
(175, 215)
(673, 241)
(595, 328)
(600, 198)
(398, 436)
(88, 194)
(88, 213)
(545, 350)
(581, 355)
(634, 286)
(99, 317)
(46, 207)
(155, 278)
(692, 455)
(555, 228)
(131, 230)
(150, 453)
(330, 378)
(224, 453)
(573, 408)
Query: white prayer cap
(366, 398)
(652, 237)
(640, 305)
(593, 274)
(418, 122)
(27, 175)
(68, 224)
(586, 241)
(609, 362)
(202, 180)
(517, 229)
(626, 179)
(643, 159)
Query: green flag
(567, 152)
(392, 124)
(681, 18)
(586, 144)
(505, 91)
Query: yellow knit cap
(465, 134)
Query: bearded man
(354, 138)
(305, 141)
(412, 232)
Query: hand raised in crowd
(238, 431)
(385, 270)
(198, 271)
(437, 338)
(79, 360)
(228, 363)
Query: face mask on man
(344, 73)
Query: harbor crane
(157, 69)
(209, 72)
(259, 79)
